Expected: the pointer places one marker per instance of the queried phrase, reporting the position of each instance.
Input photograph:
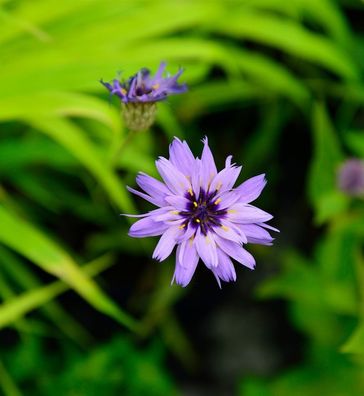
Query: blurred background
(84, 309)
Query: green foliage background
(65, 158)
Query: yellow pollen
(231, 211)
(208, 241)
(198, 221)
(195, 204)
(217, 201)
(225, 228)
(155, 86)
(175, 212)
(182, 226)
(219, 184)
(190, 192)
(124, 91)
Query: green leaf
(290, 37)
(331, 204)
(229, 57)
(355, 344)
(7, 384)
(19, 306)
(326, 158)
(30, 242)
(204, 97)
(355, 140)
(331, 18)
(289, 284)
(59, 104)
(24, 277)
(76, 142)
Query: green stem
(7, 384)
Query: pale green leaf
(290, 37)
(355, 344)
(18, 271)
(30, 242)
(19, 306)
(74, 139)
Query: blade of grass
(59, 104)
(30, 242)
(12, 310)
(204, 98)
(290, 37)
(327, 156)
(52, 310)
(76, 142)
(6, 294)
(8, 386)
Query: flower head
(351, 177)
(140, 93)
(142, 88)
(201, 212)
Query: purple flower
(351, 177)
(143, 88)
(201, 213)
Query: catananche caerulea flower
(140, 93)
(201, 213)
(142, 88)
(351, 177)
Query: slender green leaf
(355, 344)
(74, 139)
(204, 98)
(16, 308)
(27, 240)
(54, 311)
(7, 384)
(59, 104)
(355, 140)
(326, 158)
(290, 37)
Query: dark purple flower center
(203, 212)
(142, 90)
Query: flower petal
(181, 156)
(245, 214)
(226, 199)
(231, 232)
(147, 227)
(169, 215)
(159, 73)
(186, 233)
(206, 248)
(166, 244)
(256, 234)
(225, 269)
(225, 179)
(251, 188)
(148, 198)
(180, 203)
(208, 167)
(269, 227)
(174, 179)
(236, 251)
(186, 263)
(155, 188)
